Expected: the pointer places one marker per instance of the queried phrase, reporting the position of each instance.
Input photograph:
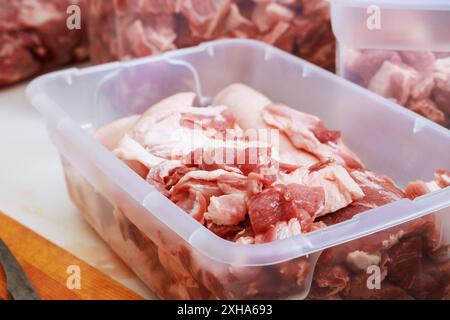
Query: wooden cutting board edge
(49, 268)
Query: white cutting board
(33, 191)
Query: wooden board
(46, 266)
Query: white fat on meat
(301, 130)
(35, 13)
(267, 15)
(164, 136)
(243, 101)
(339, 187)
(161, 132)
(172, 103)
(281, 230)
(361, 260)
(110, 134)
(227, 210)
(394, 81)
(129, 149)
(205, 16)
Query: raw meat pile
(132, 28)
(417, 80)
(34, 38)
(253, 188)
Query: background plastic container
(127, 29)
(175, 255)
(398, 49)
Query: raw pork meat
(240, 187)
(418, 80)
(34, 38)
(132, 28)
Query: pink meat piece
(238, 25)
(205, 17)
(329, 281)
(311, 6)
(16, 60)
(157, 37)
(424, 63)
(283, 203)
(394, 81)
(320, 192)
(172, 134)
(308, 133)
(267, 15)
(428, 109)
(419, 188)
(34, 37)
(166, 174)
(364, 64)
(378, 190)
(280, 230)
(405, 262)
(193, 191)
(229, 209)
(158, 6)
(358, 290)
(441, 92)
(237, 156)
(339, 187)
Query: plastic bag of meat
(400, 53)
(34, 37)
(126, 29)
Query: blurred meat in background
(34, 37)
(124, 29)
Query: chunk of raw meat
(152, 38)
(419, 80)
(242, 100)
(329, 281)
(358, 290)
(281, 230)
(229, 209)
(428, 109)
(300, 27)
(419, 188)
(205, 16)
(405, 262)
(267, 15)
(308, 133)
(34, 37)
(365, 64)
(284, 202)
(394, 81)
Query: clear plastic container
(121, 30)
(179, 258)
(398, 49)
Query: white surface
(33, 191)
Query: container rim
(434, 5)
(198, 236)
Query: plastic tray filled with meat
(399, 50)
(233, 170)
(35, 37)
(122, 30)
